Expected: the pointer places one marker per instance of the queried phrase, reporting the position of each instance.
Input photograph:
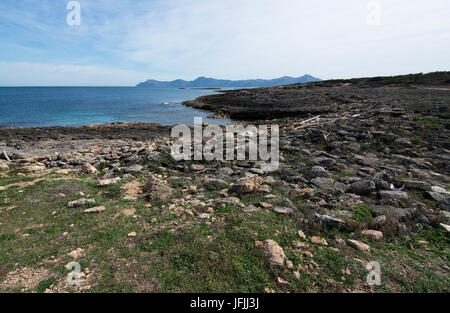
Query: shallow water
(78, 106)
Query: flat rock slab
(88, 168)
(76, 254)
(4, 166)
(363, 187)
(80, 203)
(273, 253)
(158, 189)
(358, 245)
(197, 167)
(372, 234)
(319, 241)
(108, 182)
(284, 210)
(323, 183)
(34, 167)
(420, 185)
(438, 194)
(204, 216)
(250, 209)
(397, 213)
(133, 169)
(446, 227)
(328, 221)
(396, 198)
(221, 202)
(94, 210)
(257, 171)
(246, 185)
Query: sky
(124, 42)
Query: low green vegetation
(173, 252)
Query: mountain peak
(212, 82)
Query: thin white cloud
(266, 38)
(237, 39)
(27, 74)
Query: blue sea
(78, 106)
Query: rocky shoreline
(364, 175)
(302, 100)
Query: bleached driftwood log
(6, 156)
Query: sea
(78, 106)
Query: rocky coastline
(364, 176)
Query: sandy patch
(147, 286)
(132, 190)
(33, 182)
(25, 278)
(126, 212)
(32, 226)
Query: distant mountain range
(203, 82)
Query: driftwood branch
(6, 156)
(311, 119)
(308, 122)
(322, 121)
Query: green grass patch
(45, 284)
(429, 122)
(162, 241)
(361, 213)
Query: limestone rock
(157, 189)
(358, 245)
(317, 171)
(88, 168)
(350, 200)
(395, 198)
(328, 221)
(80, 203)
(97, 209)
(363, 187)
(108, 182)
(319, 241)
(76, 254)
(250, 209)
(256, 171)
(372, 234)
(273, 253)
(37, 167)
(438, 194)
(204, 216)
(323, 183)
(325, 162)
(246, 185)
(220, 202)
(133, 169)
(420, 185)
(197, 167)
(215, 184)
(283, 210)
(4, 166)
(301, 234)
(397, 213)
(446, 227)
(269, 180)
(302, 193)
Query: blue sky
(123, 42)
